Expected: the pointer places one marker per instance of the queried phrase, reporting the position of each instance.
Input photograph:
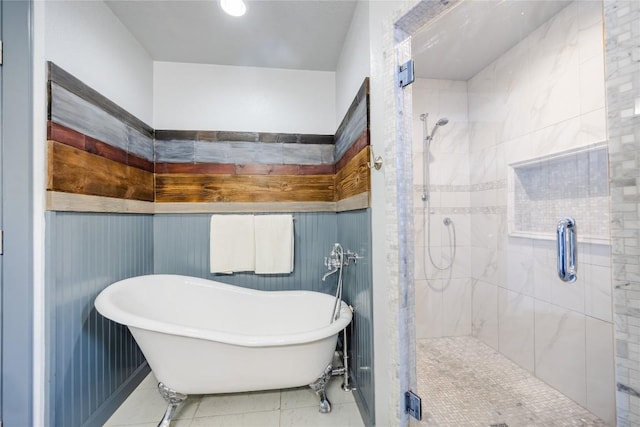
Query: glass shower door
(521, 86)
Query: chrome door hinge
(413, 405)
(405, 74)
(1, 57)
(1, 252)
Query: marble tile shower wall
(443, 305)
(543, 96)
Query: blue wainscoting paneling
(354, 233)
(181, 246)
(92, 361)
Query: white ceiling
(291, 34)
(309, 34)
(475, 33)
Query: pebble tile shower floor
(465, 383)
(291, 407)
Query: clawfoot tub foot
(174, 399)
(319, 386)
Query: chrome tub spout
(329, 273)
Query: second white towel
(274, 239)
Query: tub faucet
(329, 273)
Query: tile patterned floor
(465, 383)
(291, 407)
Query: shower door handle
(567, 250)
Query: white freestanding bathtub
(202, 337)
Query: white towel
(232, 243)
(274, 244)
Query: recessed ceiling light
(234, 7)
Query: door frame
(17, 213)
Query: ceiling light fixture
(233, 7)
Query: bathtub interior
(168, 302)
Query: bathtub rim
(110, 310)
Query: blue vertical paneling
(181, 246)
(91, 358)
(354, 233)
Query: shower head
(441, 122)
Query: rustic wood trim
(359, 201)
(69, 202)
(71, 170)
(176, 208)
(355, 177)
(74, 85)
(244, 188)
(235, 169)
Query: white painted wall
(354, 63)
(86, 39)
(221, 97)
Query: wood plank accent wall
(97, 149)
(354, 177)
(73, 170)
(243, 188)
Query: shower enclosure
(509, 140)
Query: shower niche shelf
(572, 183)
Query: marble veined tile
(516, 327)
(592, 94)
(598, 292)
(560, 349)
(600, 369)
(429, 311)
(486, 265)
(485, 313)
(457, 307)
(556, 78)
(520, 272)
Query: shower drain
(499, 425)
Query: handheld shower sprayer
(441, 122)
(427, 138)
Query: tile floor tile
(145, 405)
(342, 414)
(238, 403)
(304, 396)
(464, 382)
(251, 419)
